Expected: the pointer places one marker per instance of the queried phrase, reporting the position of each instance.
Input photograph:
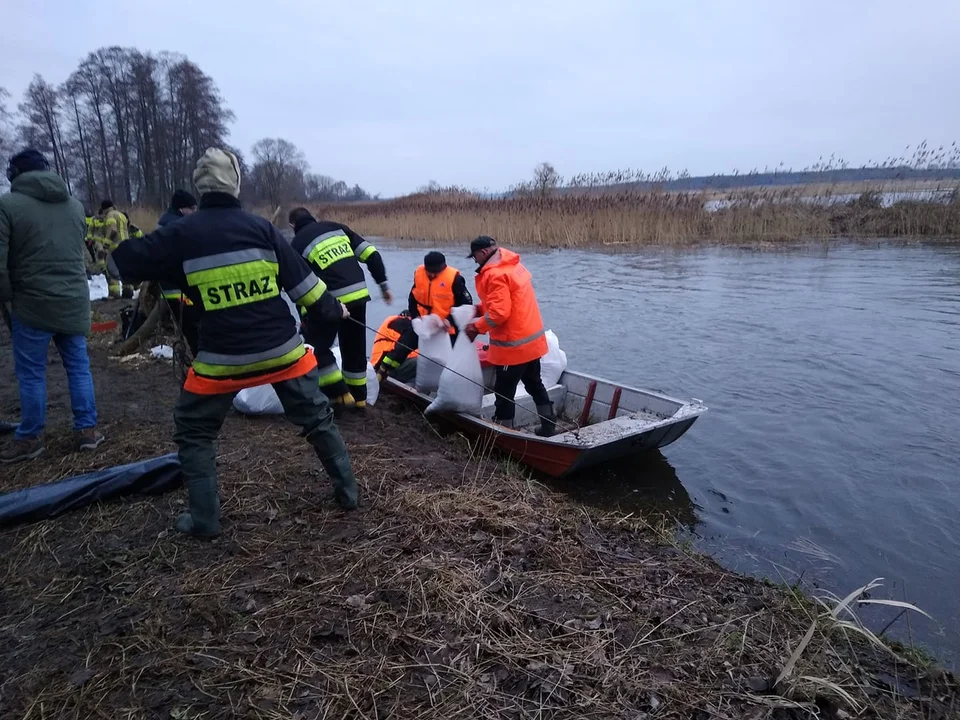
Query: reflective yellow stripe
(356, 382)
(389, 362)
(330, 378)
(313, 296)
(328, 250)
(367, 252)
(218, 370)
(236, 285)
(354, 296)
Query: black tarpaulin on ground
(41, 502)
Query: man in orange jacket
(510, 315)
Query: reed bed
(629, 218)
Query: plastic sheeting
(42, 502)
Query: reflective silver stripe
(329, 369)
(354, 375)
(361, 247)
(210, 358)
(308, 284)
(319, 239)
(490, 322)
(340, 292)
(228, 258)
(517, 343)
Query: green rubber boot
(345, 490)
(203, 520)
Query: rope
(471, 380)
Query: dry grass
(461, 589)
(632, 218)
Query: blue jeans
(30, 359)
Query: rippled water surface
(832, 444)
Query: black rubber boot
(548, 420)
(203, 520)
(505, 422)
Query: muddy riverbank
(460, 586)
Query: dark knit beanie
(434, 261)
(26, 161)
(106, 205)
(182, 199)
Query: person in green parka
(44, 290)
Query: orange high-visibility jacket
(509, 311)
(434, 296)
(387, 337)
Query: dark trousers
(198, 419)
(508, 377)
(352, 333)
(187, 318)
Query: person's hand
(388, 297)
(471, 332)
(344, 313)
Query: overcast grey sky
(392, 94)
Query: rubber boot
(333, 455)
(203, 520)
(505, 422)
(344, 483)
(548, 420)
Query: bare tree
(40, 126)
(545, 179)
(279, 171)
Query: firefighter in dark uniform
(235, 265)
(182, 309)
(437, 289)
(335, 252)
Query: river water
(832, 374)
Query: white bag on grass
(433, 341)
(260, 400)
(98, 287)
(263, 400)
(461, 382)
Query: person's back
(234, 265)
(44, 260)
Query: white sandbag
(98, 287)
(554, 362)
(373, 385)
(162, 352)
(260, 400)
(461, 382)
(434, 346)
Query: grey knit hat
(217, 171)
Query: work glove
(471, 332)
(328, 310)
(385, 292)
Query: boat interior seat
(526, 411)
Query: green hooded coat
(42, 268)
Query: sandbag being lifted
(461, 382)
(433, 342)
